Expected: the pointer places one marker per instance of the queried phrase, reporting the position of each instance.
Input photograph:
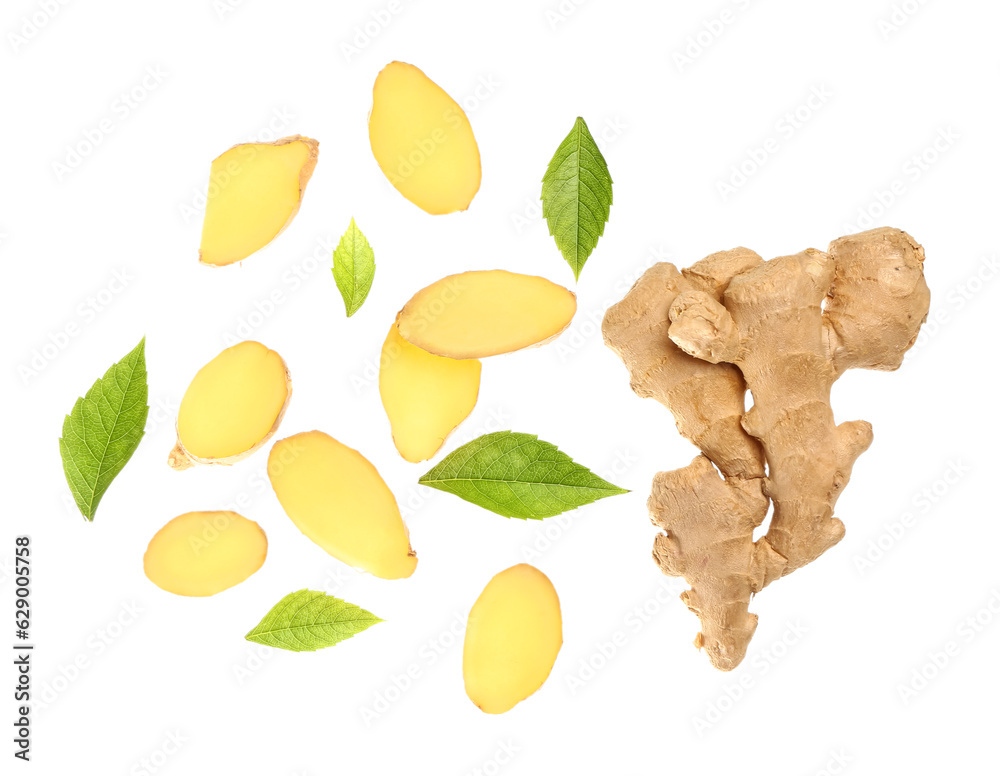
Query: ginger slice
(422, 140)
(204, 553)
(337, 498)
(425, 396)
(512, 640)
(232, 407)
(486, 313)
(255, 191)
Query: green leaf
(353, 268)
(517, 475)
(308, 620)
(576, 196)
(104, 429)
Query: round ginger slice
(254, 192)
(422, 141)
(425, 396)
(486, 313)
(337, 498)
(232, 406)
(204, 553)
(512, 639)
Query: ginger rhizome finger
(771, 327)
(878, 300)
(707, 400)
(705, 545)
(708, 523)
(790, 327)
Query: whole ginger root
(785, 329)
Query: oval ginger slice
(204, 553)
(254, 192)
(486, 313)
(425, 396)
(232, 406)
(337, 498)
(512, 639)
(422, 140)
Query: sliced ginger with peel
(254, 192)
(232, 406)
(425, 396)
(337, 498)
(204, 553)
(512, 639)
(422, 140)
(486, 313)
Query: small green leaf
(576, 196)
(517, 475)
(104, 429)
(308, 620)
(353, 268)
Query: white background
(901, 131)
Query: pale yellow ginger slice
(337, 498)
(422, 140)
(232, 407)
(254, 192)
(486, 313)
(425, 396)
(204, 553)
(512, 639)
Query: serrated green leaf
(308, 620)
(576, 196)
(353, 268)
(104, 429)
(517, 475)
